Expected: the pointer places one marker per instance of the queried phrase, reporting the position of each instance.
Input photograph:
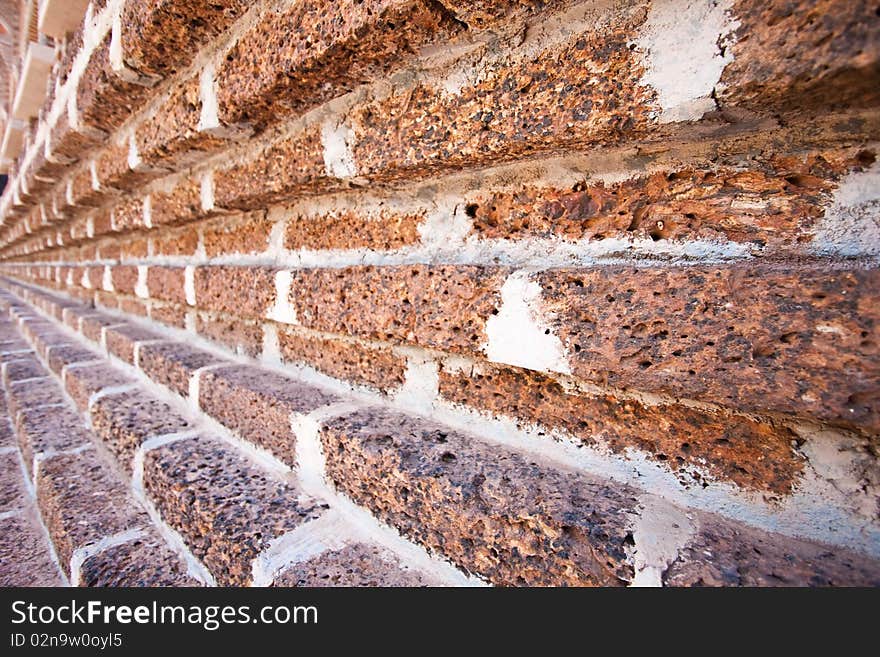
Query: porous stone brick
(31, 394)
(25, 554)
(247, 291)
(183, 203)
(754, 455)
(177, 243)
(226, 509)
(300, 55)
(121, 340)
(773, 203)
(167, 283)
(76, 486)
(168, 314)
(125, 279)
(12, 489)
(134, 248)
(92, 325)
(146, 561)
(129, 215)
(60, 357)
(160, 36)
(247, 235)
(103, 99)
(133, 307)
(438, 306)
(789, 339)
(22, 368)
(173, 364)
(359, 564)
(124, 421)
(239, 335)
(494, 512)
(377, 367)
(385, 230)
(723, 553)
(82, 382)
(47, 431)
(69, 143)
(113, 170)
(257, 404)
(82, 192)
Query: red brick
(239, 335)
(173, 364)
(385, 230)
(129, 215)
(377, 367)
(248, 235)
(121, 340)
(794, 340)
(181, 205)
(177, 243)
(125, 278)
(169, 314)
(247, 291)
(167, 283)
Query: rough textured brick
(145, 561)
(22, 368)
(42, 430)
(82, 382)
(173, 364)
(493, 512)
(124, 279)
(124, 421)
(354, 565)
(257, 404)
(69, 143)
(775, 203)
(174, 131)
(245, 235)
(60, 357)
(25, 554)
(129, 215)
(77, 486)
(93, 324)
(160, 36)
(444, 307)
(180, 205)
(168, 314)
(751, 454)
(167, 283)
(12, 490)
(113, 169)
(178, 243)
(248, 291)
(32, 394)
(380, 231)
(239, 335)
(301, 55)
(376, 367)
(794, 340)
(121, 340)
(103, 99)
(227, 510)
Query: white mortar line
(80, 555)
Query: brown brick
(82, 382)
(753, 455)
(169, 314)
(113, 169)
(106, 300)
(288, 167)
(178, 243)
(60, 357)
(491, 511)
(121, 340)
(167, 283)
(69, 143)
(32, 394)
(81, 188)
(92, 325)
(124, 278)
(133, 307)
(161, 36)
(299, 56)
(443, 307)
(133, 247)
(248, 234)
(385, 230)
(725, 554)
(774, 203)
(129, 215)
(102, 222)
(181, 205)
(12, 489)
(124, 421)
(226, 509)
(377, 367)
(804, 55)
(42, 430)
(257, 404)
(172, 364)
(25, 553)
(144, 561)
(22, 368)
(240, 335)
(103, 99)
(248, 291)
(174, 131)
(793, 340)
(359, 564)
(73, 487)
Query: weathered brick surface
(77, 486)
(177, 243)
(796, 340)
(354, 565)
(309, 52)
(82, 382)
(124, 421)
(382, 231)
(145, 561)
(121, 340)
(245, 235)
(751, 454)
(25, 554)
(226, 509)
(248, 291)
(183, 203)
(167, 283)
(173, 365)
(160, 36)
(257, 405)
(238, 335)
(375, 367)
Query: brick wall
(546, 291)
